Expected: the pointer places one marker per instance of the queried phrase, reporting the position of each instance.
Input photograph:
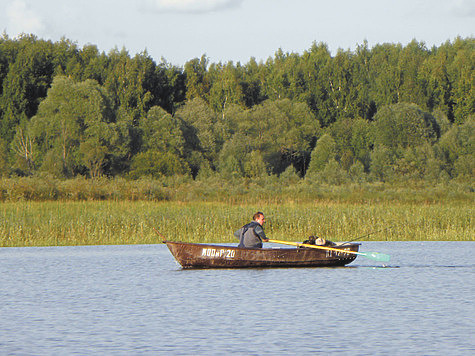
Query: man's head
(259, 218)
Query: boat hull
(193, 255)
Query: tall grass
(27, 223)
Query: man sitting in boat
(252, 235)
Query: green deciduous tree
(27, 81)
(197, 79)
(404, 125)
(435, 81)
(324, 152)
(316, 61)
(168, 88)
(462, 76)
(252, 84)
(457, 149)
(410, 62)
(283, 131)
(414, 163)
(385, 74)
(23, 151)
(382, 163)
(74, 114)
(198, 122)
(341, 90)
(233, 155)
(362, 141)
(130, 81)
(156, 164)
(333, 173)
(254, 165)
(226, 88)
(160, 131)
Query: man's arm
(260, 232)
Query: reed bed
(60, 223)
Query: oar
(371, 255)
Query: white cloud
(192, 6)
(22, 19)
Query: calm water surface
(127, 300)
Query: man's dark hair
(256, 215)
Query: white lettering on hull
(218, 253)
(331, 253)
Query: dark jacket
(251, 235)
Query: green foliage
(156, 164)
(464, 167)
(29, 76)
(324, 152)
(198, 127)
(442, 121)
(4, 166)
(74, 123)
(283, 131)
(457, 149)
(357, 173)
(460, 70)
(254, 165)
(197, 81)
(361, 141)
(233, 155)
(205, 171)
(382, 161)
(402, 112)
(289, 176)
(226, 88)
(414, 162)
(333, 173)
(23, 152)
(93, 154)
(131, 82)
(160, 131)
(404, 125)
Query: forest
(390, 113)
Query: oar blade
(376, 256)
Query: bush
(289, 176)
(356, 172)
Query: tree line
(384, 113)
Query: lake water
(132, 300)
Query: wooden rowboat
(193, 255)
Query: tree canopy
(386, 112)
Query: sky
(236, 30)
